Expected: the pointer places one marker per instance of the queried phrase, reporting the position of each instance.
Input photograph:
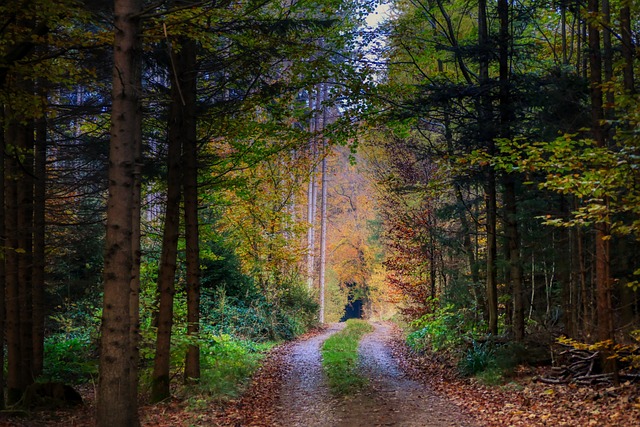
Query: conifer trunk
(3, 243)
(116, 406)
(171, 232)
(602, 249)
(136, 254)
(14, 359)
(191, 223)
(486, 136)
(39, 200)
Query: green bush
(69, 360)
(478, 358)
(227, 364)
(438, 331)
(255, 318)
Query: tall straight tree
(3, 243)
(171, 233)
(116, 404)
(18, 189)
(314, 97)
(38, 277)
(486, 134)
(188, 83)
(15, 387)
(509, 179)
(323, 230)
(322, 120)
(602, 250)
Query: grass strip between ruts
(340, 357)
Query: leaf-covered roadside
(524, 402)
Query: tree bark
(312, 192)
(323, 230)
(509, 180)
(39, 200)
(602, 250)
(486, 136)
(191, 223)
(115, 404)
(136, 253)
(15, 388)
(171, 232)
(3, 244)
(24, 143)
(323, 208)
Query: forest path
(390, 398)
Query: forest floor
(404, 389)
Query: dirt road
(390, 398)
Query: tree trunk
(39, 200)
(15, 388)
(115, 404)
(24, 143)
(323, 208)
(509, 180)
(607, 58)
(515, 263)
(171, 232)
(136, 254)
(191, 224)
(3, 244)
(602, 251)
(312, 193)
(323, 230)
(486, 136)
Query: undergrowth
(340, 357)
(227, 365)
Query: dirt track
(390, 398)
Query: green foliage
(70, 351)
(227, 364)
(340, 357)
(257, 319)
(491, 362)
(441, 330)
(69, 360)
(478, 358)
(598, 177)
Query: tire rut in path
(305, 398)
(390, 398)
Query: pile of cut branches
(581, 364)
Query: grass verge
(340, 357)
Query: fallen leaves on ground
(524, 402)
